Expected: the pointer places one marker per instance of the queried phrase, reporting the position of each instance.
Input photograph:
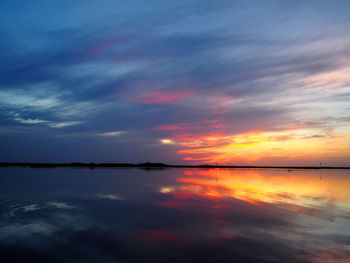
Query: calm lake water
(174, 215)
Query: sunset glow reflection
(258, 186)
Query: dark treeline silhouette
(157, 165)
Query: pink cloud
(198, 125)
(158, 97)
(169, 128)
(99, 48)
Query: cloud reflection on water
(177, 215)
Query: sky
(180, 82)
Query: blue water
(174, 215)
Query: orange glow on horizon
(261, 147)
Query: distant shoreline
(160, 165)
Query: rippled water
(174, 215)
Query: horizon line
(149, 165)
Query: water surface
(174, 215)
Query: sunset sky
(180, 82)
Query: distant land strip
(149, 165)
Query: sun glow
(250, 148)
(167, 141)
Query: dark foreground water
(174, 215)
